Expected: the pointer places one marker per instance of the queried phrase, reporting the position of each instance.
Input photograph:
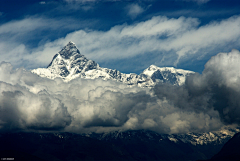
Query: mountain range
(127, 145)
(69, 64)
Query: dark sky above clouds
(120, 34)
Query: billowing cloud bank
(206, 102)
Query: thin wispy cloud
(179, 39)
(79, 1)
(133, 10)
(198, 1)
(15, 34)
(88, 1)
(42, 2)
(201, 1)
(23, 26)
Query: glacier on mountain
(69, 64)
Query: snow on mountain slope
(215, 137)
(167, 74)
(69, 64)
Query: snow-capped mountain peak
(69, 64)
(69, 50)
(167, 74)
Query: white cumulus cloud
(29, 102)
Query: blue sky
(120, 34)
